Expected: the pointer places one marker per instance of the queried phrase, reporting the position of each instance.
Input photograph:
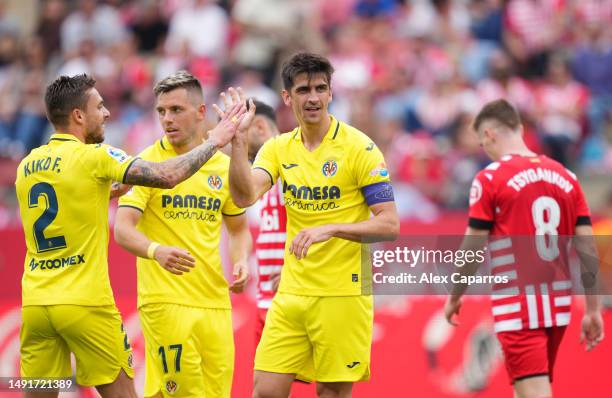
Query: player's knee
(117, 392)
(271, 385)
(537, 387)
(334, 390)
(533, 395)
(328, 394)
(268, 390)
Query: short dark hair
(308, 63)
(264, 109)
(501, 111)
(64, 95)
(180, 79)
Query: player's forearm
(240, 243)
(592, 303)
(170, 172)
(458, 289)
(131, 239)
(471, 243)
(242, 187)
(384, 227)
(589, 266)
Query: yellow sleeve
(109, 163)
(230, 208)
(267, 159)
(137, 197)
(370, 167)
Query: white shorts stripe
(563, 301)
(266, 254)
(272, 237)
(506, 309)
(548, 322)
(500, 244)
(532, 307)
(266, 286)
(508, 325)
(502, 260)
(563, 318)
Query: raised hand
(229, 122)
(231, 99)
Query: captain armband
(379, 192)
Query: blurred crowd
(410, 73)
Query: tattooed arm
(170, 172)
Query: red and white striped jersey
(532, 206)
(270, 244)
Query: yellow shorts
(189, 351)
(95, 335)
(327, 339)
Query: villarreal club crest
(215, 182)
(330, 168)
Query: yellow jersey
(188, 216)
(322, 187)
(63, 190)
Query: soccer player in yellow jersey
(319, 325)
(185, 313)
(63, 191)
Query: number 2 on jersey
(44, 244)
(546, 218)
